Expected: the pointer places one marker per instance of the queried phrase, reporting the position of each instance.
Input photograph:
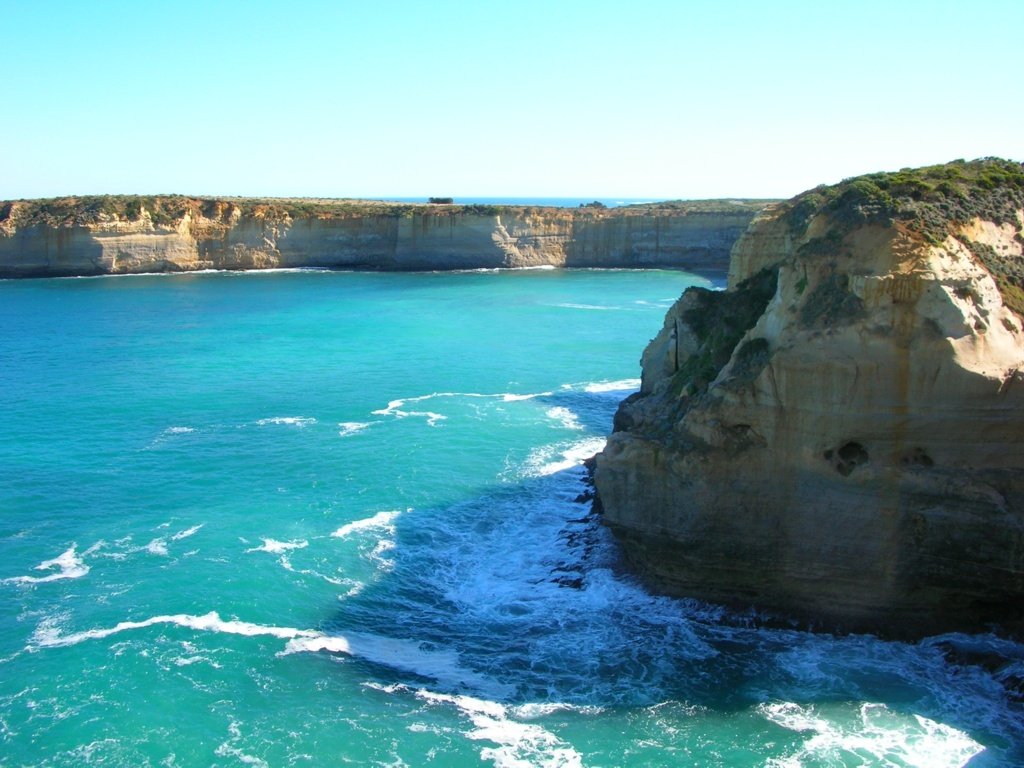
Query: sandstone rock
(839, 436)
(35, 241)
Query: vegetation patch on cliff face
(831, 304)
(719, 321)
(1007, 272)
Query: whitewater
(313, 518)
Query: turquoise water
(310, 518)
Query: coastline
(94, 236)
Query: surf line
(409, 655)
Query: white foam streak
(275, 547)
(509, 397)
(409, 655)
(442, 665)
(396, 408)
(593, 307)
(875, 731)
(544, 462)
(68, 564)
(47, 636)
(187, 532)
(157, 547)
(623, 385)
(567, 418)
(347, 428)
(520, 745)
(291, 421)
(382, 521)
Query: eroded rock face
(839, 436)
(219, 235)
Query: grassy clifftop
(166, 210)
(932, 202)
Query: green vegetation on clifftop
(932, 202)
(929, 200)
(168, 210)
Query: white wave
(593, 307)
(443, 665)
(497, 270)
(396, 408)
(509, 397)
(157, 547)
(408, 655)
(536, 710)
(568, 419)
(291, 421)
(551, 459)
(178, 430)
(519, 744)
(68, 564)
(623, 385)
(382, 520)
(351, 427)
(275, 547)
(875, 732)
(47, 635)
(187, 532)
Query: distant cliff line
(120, 234)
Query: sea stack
(839, 436)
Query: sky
(651, 99)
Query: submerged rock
(839, 436)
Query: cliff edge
(839, 436)
(132, 234)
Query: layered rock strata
(92, 236)
(839, 436)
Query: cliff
(112, 235)
(839, 436)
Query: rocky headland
(838, 438)
(131, 234)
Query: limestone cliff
(112, 235)
(839, 436)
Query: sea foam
(381, 521)
(346, 428)
(874, 732)
(442, 665)
(622, 385)
(68, 565)
(519, 744)
(290, 421)
(275, 547)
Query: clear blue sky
(648, 99)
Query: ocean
(303, 518)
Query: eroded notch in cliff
(847, 457)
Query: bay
(320, 518)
